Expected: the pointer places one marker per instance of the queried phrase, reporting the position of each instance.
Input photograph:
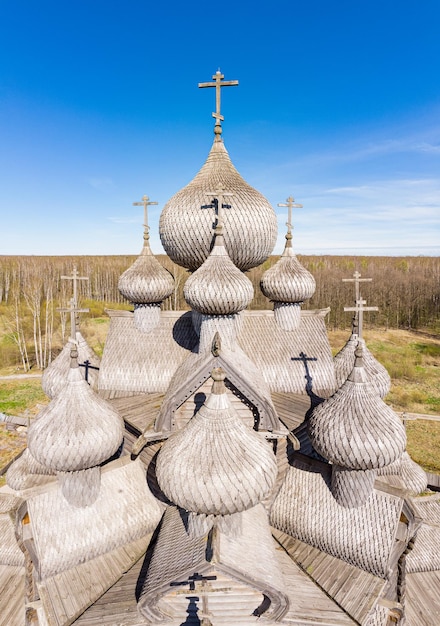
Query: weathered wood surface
(67, 595)
(139, 411)
(291, 408)
(12, 609)
(309, 605)
(423, 599)
(353, 589)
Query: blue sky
(338, 105)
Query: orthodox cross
(359, 309)
(290, 204)
(75, 278)
(73, 309)
(218, 84)
(88, 366)
(217, 197)
(304, 358)
(196, 577)
(145, 202)
(356, 280)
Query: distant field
(413, 361)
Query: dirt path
(20, 376)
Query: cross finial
(218, 84)
(145, 202)
(357, 280)
(360, 308)
(290, 204)
(73, 309)
(75, 277)
(217, 197)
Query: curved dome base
(352, 488)
(81, 488)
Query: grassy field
(413, 361)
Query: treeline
(405, 289)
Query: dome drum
(146, 316)
(287, 315)
(351, 488)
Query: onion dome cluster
(218, 287)
(216, 465)
(354, 429)
(288, 284)
(186, 222)
(146, 284)
(75, 433)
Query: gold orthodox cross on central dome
(290, 204)
(145, 202)
(218, 84)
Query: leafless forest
(406, 290)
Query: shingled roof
(284, 494)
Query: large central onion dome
(250, 223)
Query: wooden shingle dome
(216, 465)
(146, 283)
(357, 432)
(288, 284)
(250, 222)
(218, 287)
(74, 434)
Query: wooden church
(218, 466)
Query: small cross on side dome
(290, 204)
(145, 202)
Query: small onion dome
(77, 430)
(345, 358)
(216, 465)
(354, 428)
(288, 280)
(55, 375)
(250, 223)
(288, 284)
(146, 281)
(218, 287)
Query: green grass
(414, 367)
(424, 444)
(17, 396)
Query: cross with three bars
(145, 202)
(196, 577)
(218, 84)
(217, 203)
(357, 280)
(290, 204)
(73, 309)
(359, 308)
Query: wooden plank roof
(136, 362)
(353, 589)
